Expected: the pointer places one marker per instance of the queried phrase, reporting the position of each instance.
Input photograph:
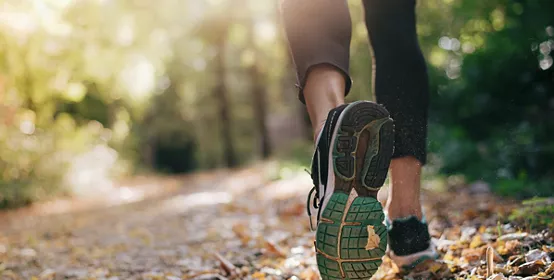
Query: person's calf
(404, 193)
(408, 233)
(324, 91)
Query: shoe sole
(351, 238)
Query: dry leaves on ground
(239, 225)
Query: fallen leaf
(373, 239)
(548, 249)
(535, 255)
(472, 255)
(529, 268)
(258, 275)
(470, 214)
(241, 231)
(550, 270)
(272, 248)
(476, 242)
(509, 247)
(296, 209)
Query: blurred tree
(215, 30)
(257, 81)
(168, 144)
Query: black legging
(319, 32)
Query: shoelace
(315, 202)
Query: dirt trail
(239, 222)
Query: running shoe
(349, 166)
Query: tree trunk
(260, 109)
(258, 92)
(221, 95)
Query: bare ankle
(404, 212)
(404, 193)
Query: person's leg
(352, 151)
(401, 84)
(324, 91)
(319, 35)
(404, 193)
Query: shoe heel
(366, 134)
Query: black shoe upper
(409, 236)
(320, 160)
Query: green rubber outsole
(342, 237)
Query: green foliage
(535, 213)
(491, 112)
(300, 154)
(33, 160)
(59, 96)
(523, 187)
